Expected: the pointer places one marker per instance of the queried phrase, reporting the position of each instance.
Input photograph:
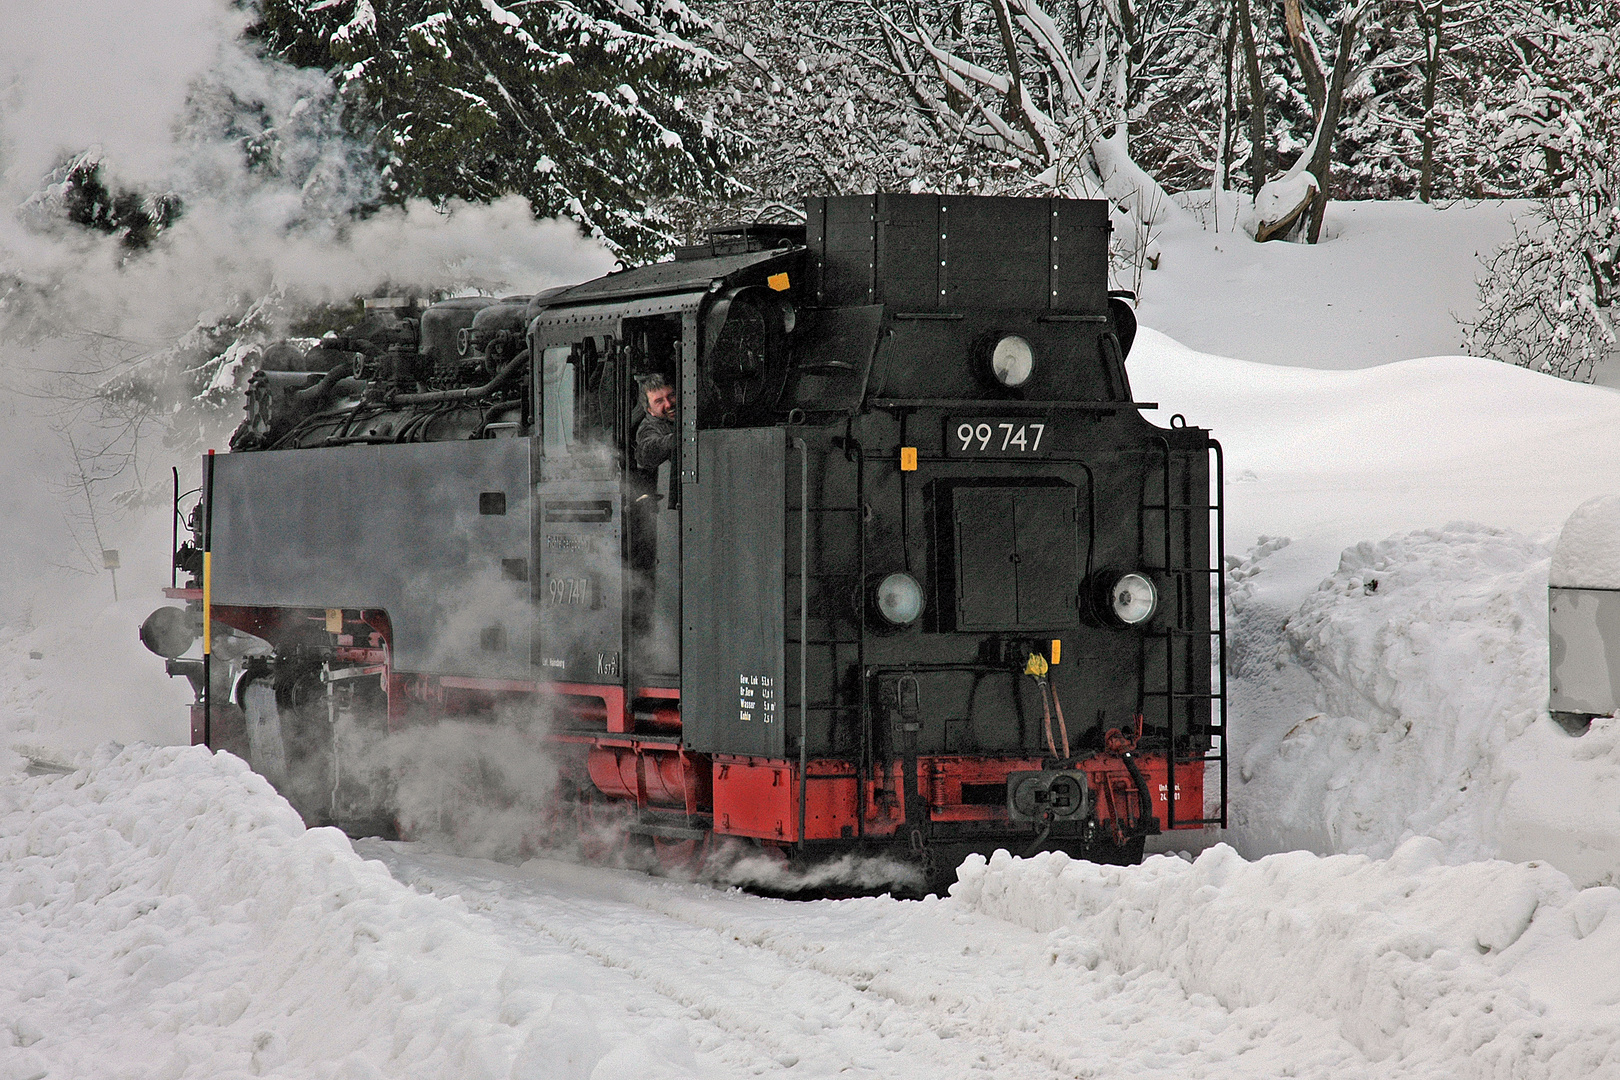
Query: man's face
(661, 402)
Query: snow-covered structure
(1583, 614)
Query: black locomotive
(918, 575)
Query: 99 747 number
(990, 437)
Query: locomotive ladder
(1184, 577)
(833, 704)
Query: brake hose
(1036, 668)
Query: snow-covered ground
(1390, 520)
(1389, 282)
(166, 915)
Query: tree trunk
(1013, 107)
(1310, 62)
(1131, 53)
(1223, 147)
(1430, 21)
(1257, 100)
(1322, 160)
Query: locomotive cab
(919, 575)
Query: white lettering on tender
(755, 703)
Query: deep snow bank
(1427, 653)
(1362, 716)
(1332, 458)
(1404, 697)
(166, 914)
(1486, 970)
(1587, 555)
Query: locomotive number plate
(990, 436)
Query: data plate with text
(1001, 437)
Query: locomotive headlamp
(1012, 361)
(1133, 599)
(899, 598)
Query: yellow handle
(1036, 665)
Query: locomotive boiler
(918, 576)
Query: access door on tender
(1017, 557)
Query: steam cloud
(163, 96)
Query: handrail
(1220, 605)
(1019, 405)
(804, 628)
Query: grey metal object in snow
(1583, 652)
(1583, 616)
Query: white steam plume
(163, 97)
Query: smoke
(276, 205)
(482, 789)
(113, 73)
(168, 98)
(483, 786)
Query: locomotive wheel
(604, 836)
(681, 858)
(1117, 853)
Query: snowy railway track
(877, 987)
(750, 984)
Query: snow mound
(1587, 555)
(166, 907)
(1429, 655)
(1465, 970)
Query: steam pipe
(502, 377)
(174, 531)
(319, 390)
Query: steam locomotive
(918, 577)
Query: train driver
(654, 444)
(655, 435)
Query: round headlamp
(1133, 599)
(899, 599)
(1012, 361)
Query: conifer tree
(580, 106)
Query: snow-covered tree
(581, 106)
(1007, 97)
(1547, 298)
(815, 112)
(1055, 94)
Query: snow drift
(1403, 695)
(167, 914)
(1462, 970)
(1428, 656)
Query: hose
(1062, 727)
(1149, 823)
(1036, 668)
